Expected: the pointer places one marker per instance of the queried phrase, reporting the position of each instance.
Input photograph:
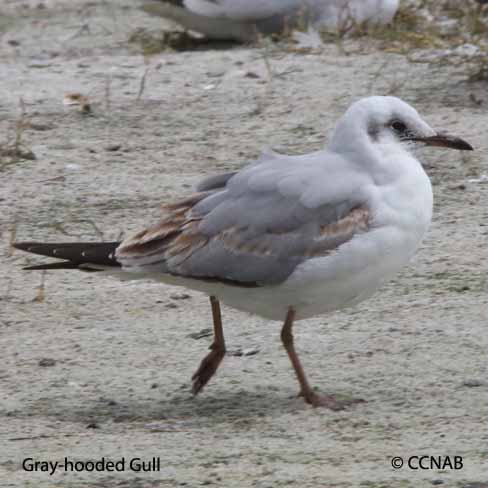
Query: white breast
(402, 211)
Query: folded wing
(254, 231)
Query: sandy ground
(102, 369)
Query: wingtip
(51, 266)
(23, 246)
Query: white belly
(319, 285)
(329, 283)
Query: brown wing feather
(176, 233)
(177, 237)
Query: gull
(244, 20)
(288, 237)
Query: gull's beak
(445, 140)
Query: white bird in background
(288, 237)
(243, 20)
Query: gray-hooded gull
(288, 237)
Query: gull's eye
(398, 126)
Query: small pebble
(250, 351)
(251, 74)
(72, 167)
(460, 186)
(179, 296)
(215, 74)
(46, 362)
(113, 147)
(473, 383)
(200, 335)
(39, 63)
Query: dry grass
(14, 149)
(41, 289)
(441, 27)
(150, 43)
(425, 30)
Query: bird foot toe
(332, 402)
(206, 370)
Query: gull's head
(387, 121)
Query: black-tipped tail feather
(76, 255)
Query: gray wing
(215, 182)
(254, 230)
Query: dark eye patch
(399, 126)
